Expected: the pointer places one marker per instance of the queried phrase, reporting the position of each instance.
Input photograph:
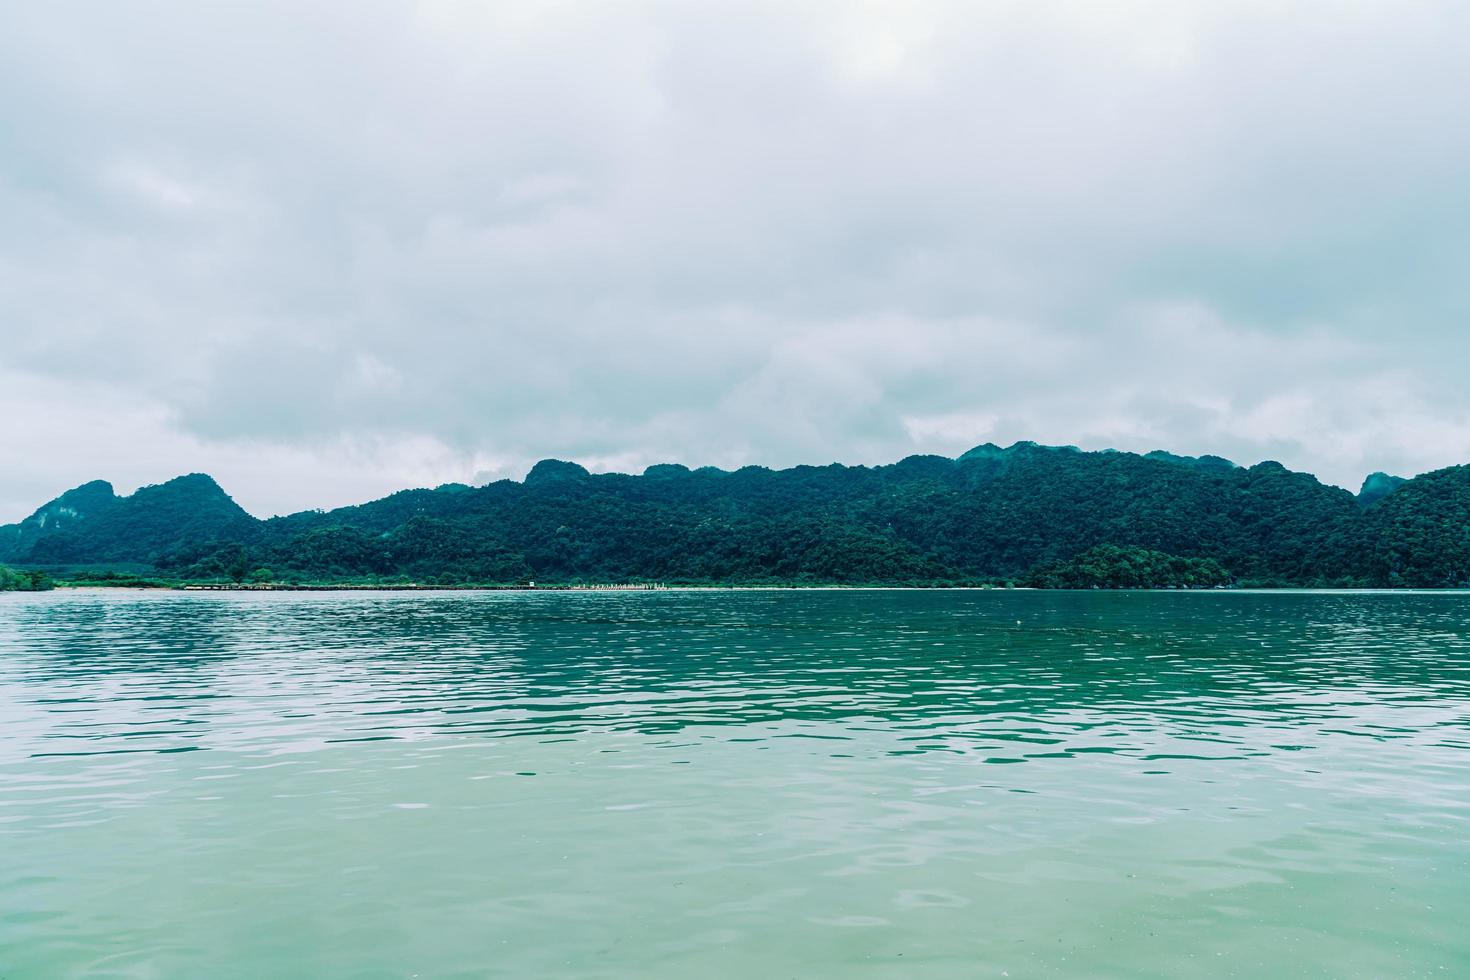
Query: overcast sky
(324, 251)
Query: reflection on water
(739, 784)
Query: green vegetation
(1026, 513)
(12, 580)
(1421, 532)
(1377, 486)
(1110, 567)
(116, 579)
(91, 525)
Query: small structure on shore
(621, 587)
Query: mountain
(67, 511)
(91, 524)
(1377, 486)
(993, 514)
(1420, 533)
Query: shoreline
(99, 587)
(523, 590)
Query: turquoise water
(735, 784)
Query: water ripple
(849, 783)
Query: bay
(855, 783)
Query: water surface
(734, 784)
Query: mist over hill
(1025, 513)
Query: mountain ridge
(992, 513)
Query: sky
(326, 251)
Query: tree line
(1025, 514)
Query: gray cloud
(327, 253)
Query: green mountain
(68, 511)
(1377, 486)
(1025, 512)
(92, 524)
(1420, 533)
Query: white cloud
(89, 432)
(343, 249)
(950, 433)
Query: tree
(15, 580)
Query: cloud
(87, 430)
(329, 252)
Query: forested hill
(1020, 513)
